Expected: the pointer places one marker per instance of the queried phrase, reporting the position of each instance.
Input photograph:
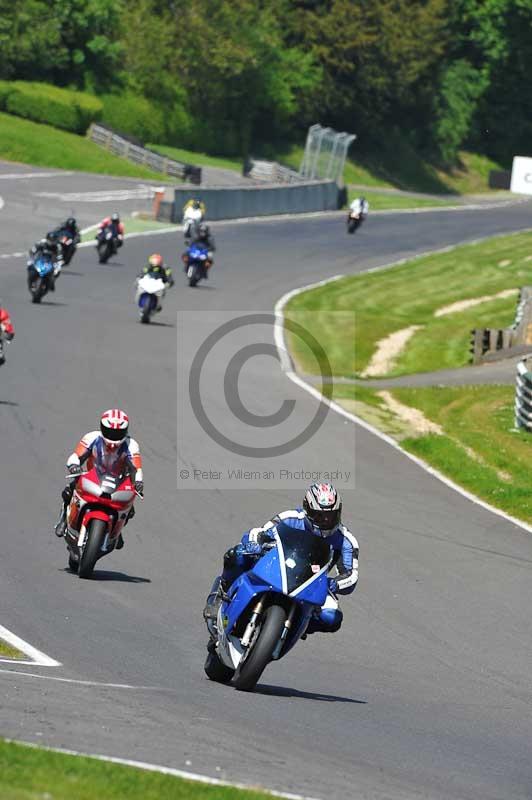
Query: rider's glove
(139, 488)
(250, 548)
(333, 585)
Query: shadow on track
(50, 303)
(155, 324)
(284, 691)
(121, 577)
(110, 575)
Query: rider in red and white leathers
(7, 331)
(117, 227)
(110, 448)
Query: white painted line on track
(2, 204)
(280, 343)
(77, 681)
(20, 175)
(38, 659)
(176, 773)
(104, 195)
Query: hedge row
(74, 111)
(135, 115)
(41, 102)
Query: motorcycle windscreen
(303, 554)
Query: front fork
(284, 633)
(252, 625)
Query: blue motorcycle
(197, 262)
(268, 608)
(40, 276)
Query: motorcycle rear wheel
(249, 672)
(92, 547)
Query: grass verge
(351, 315)
(479, 448)
(132, 225)
(406, 171)
(6, 651)
(383, 202)
(43, 146)
(199, 159)
(27, 773)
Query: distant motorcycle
(106, 244)
(40, 276)
(197, 262)
(5, 336)
(354, 221)
(268, 608)
(97, 513)
(150, 291)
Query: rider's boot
(60, 525)
(119, 542)
(214, 600)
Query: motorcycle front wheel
(92, 547)
(250, 670)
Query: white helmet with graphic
(323, 507)
(114, 426)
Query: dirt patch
(415, 420)
(463, 305)
(387, 351)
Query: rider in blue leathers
(319, 516)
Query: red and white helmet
(323, 507)
(114, 426)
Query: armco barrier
(232, 203)
(523, 396)
(488, 344)
(128, 147)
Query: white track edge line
(176, 773)
(76, 681)
(39, 659)
(279, 339)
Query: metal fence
(523, 396)
(271, 172)
(325, 154)
(487, 344)
(121, 146)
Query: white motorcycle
(191, 218)
(150, 292)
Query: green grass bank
(43, 146)
(351, 316)
(30, 773)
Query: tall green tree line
(237, 74)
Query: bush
(62, 108)
(134, 115)
(5, 88)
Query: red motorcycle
(99, 509)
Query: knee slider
(332, 619)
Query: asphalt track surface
(426, 691)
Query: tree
(241, 80)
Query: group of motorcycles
(266, 611)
